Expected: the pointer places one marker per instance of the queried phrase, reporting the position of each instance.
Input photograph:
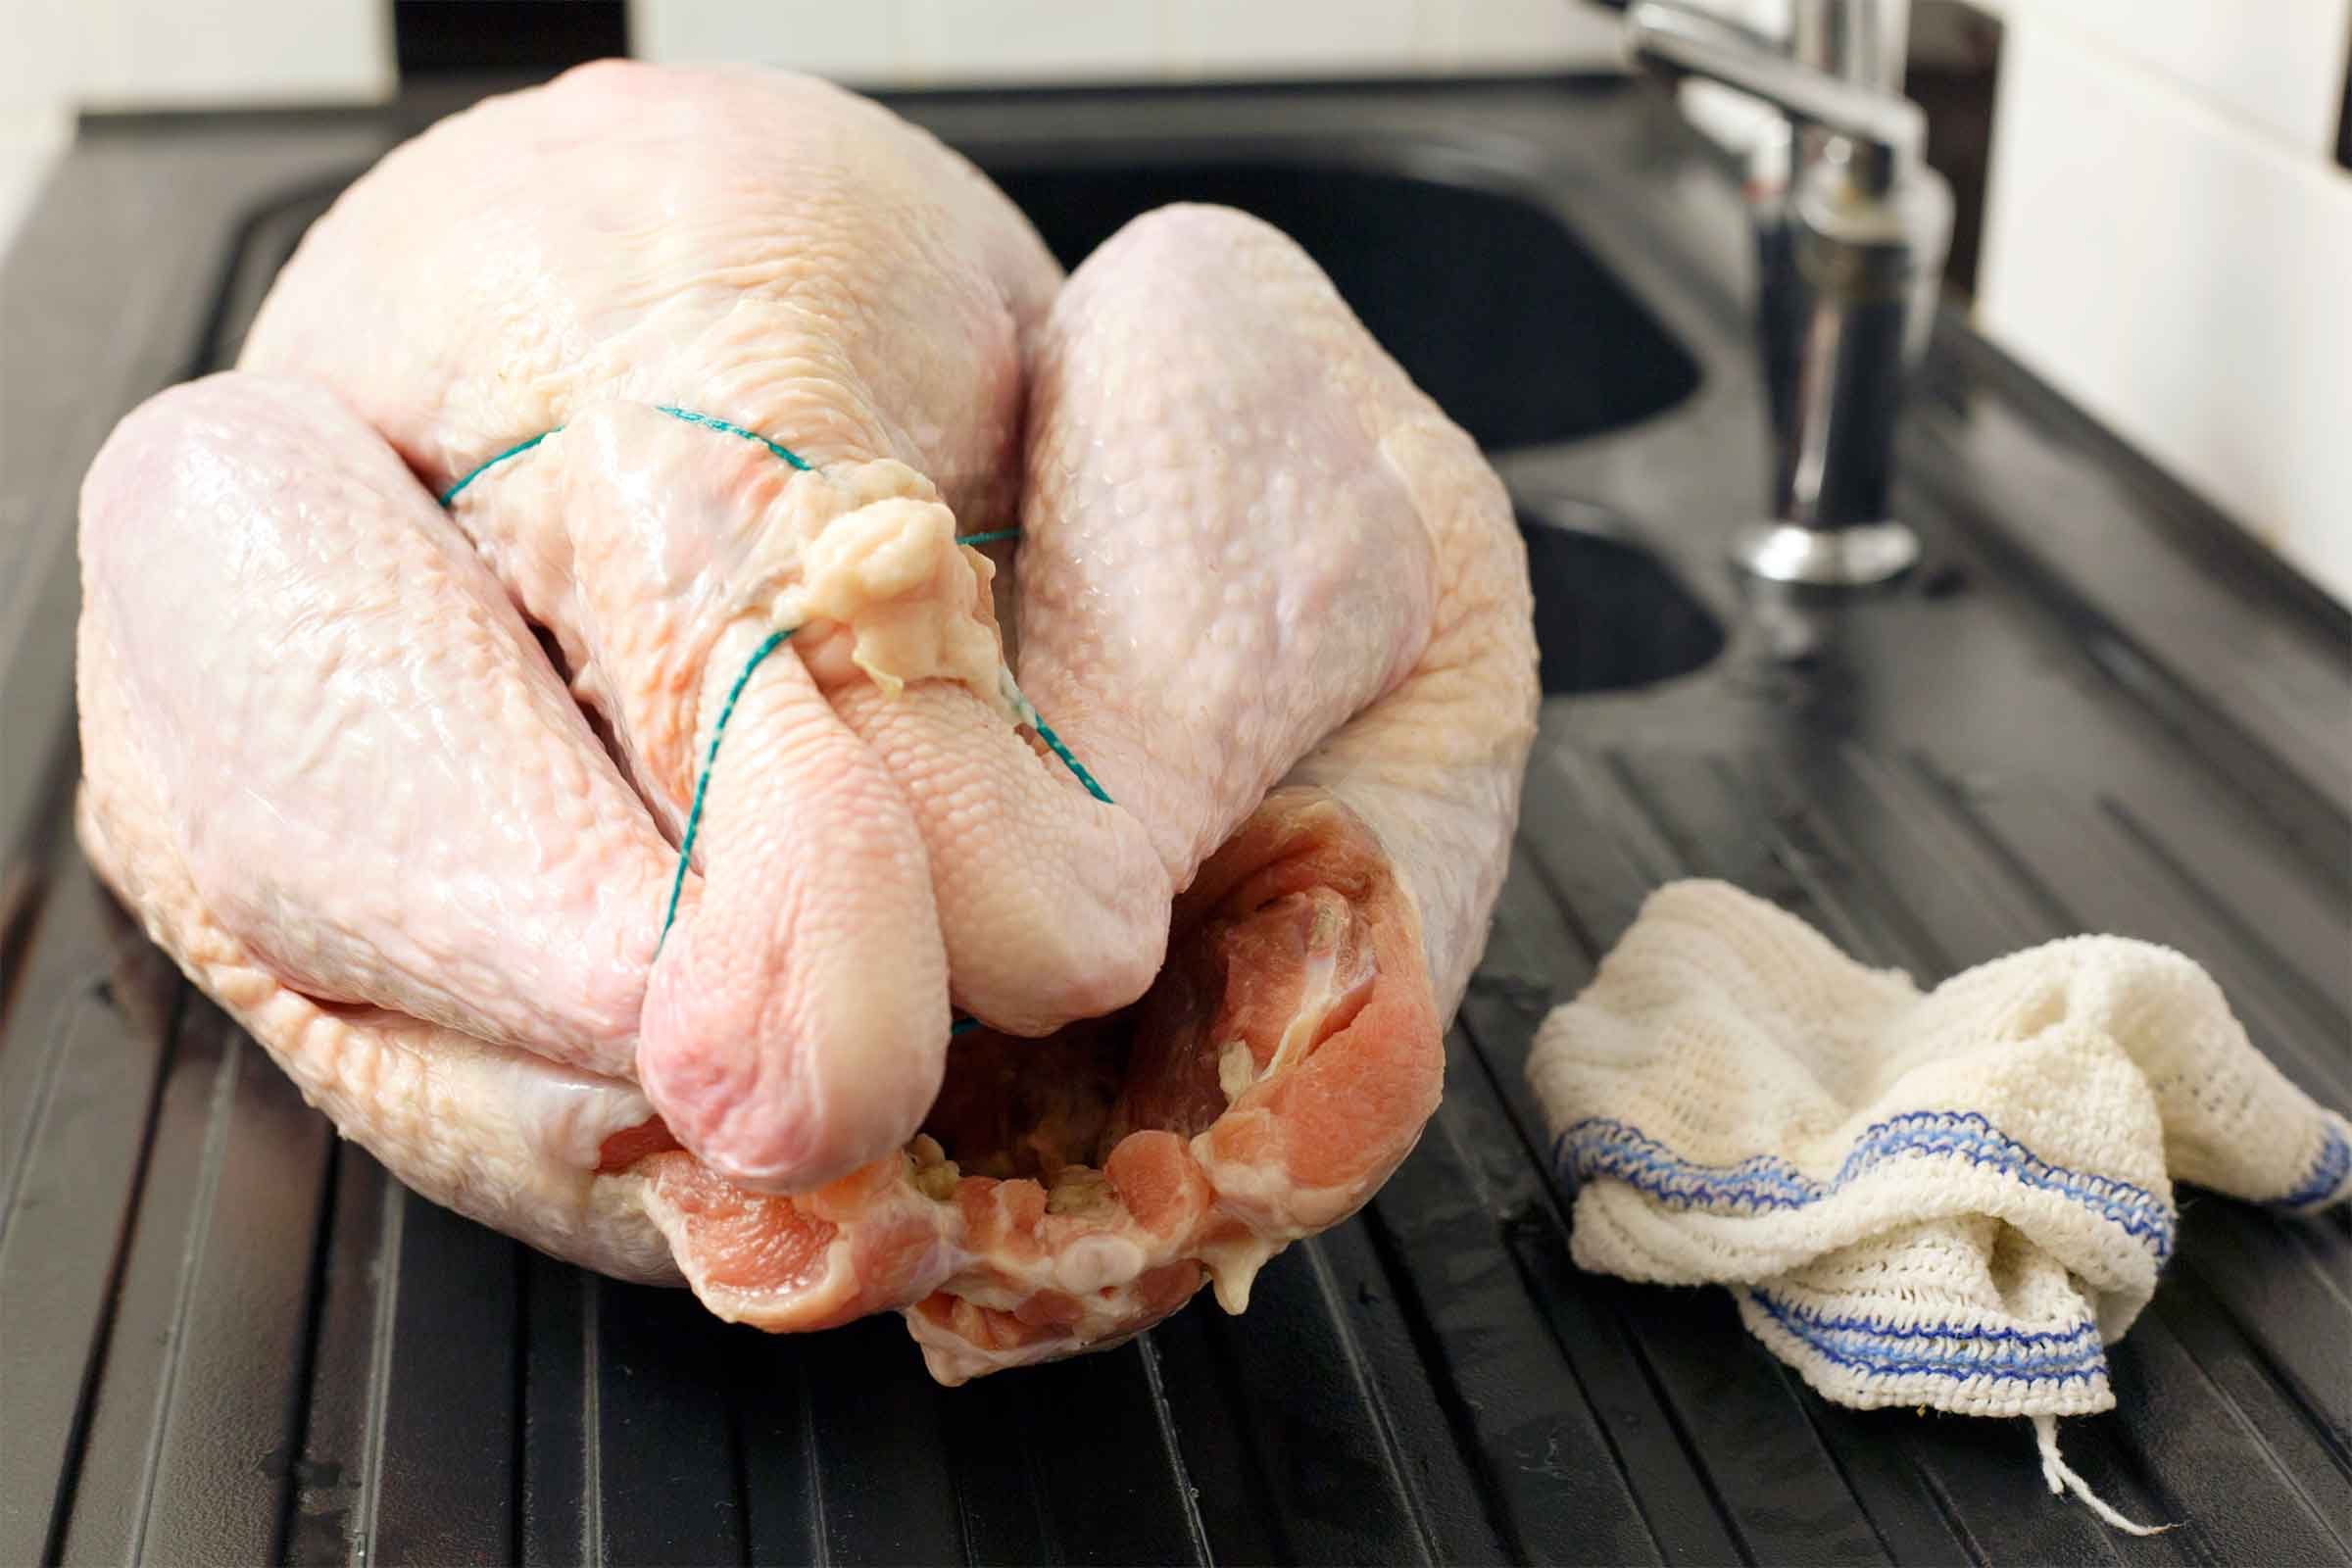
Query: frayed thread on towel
(2062, 1480)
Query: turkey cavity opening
(1011, 1108)
(1243, 994)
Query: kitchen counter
(2095, 706)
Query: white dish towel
(1955, 1199)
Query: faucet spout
(1851, 249)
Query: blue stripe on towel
(1601, 1146)
(1894, 1349)
(2082, 1335)
(2327, 1171)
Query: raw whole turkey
(402, 784)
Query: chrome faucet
(1852, 230)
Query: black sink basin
(1488, 302)
(1609, 614)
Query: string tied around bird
(1023, 710)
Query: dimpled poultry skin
(401, 784)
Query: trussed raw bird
(402, 785)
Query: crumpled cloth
(1957, 1198)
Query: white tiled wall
(892, 42)
(143, 54)
(2168, 241)
(2278, 64)
(59, 55)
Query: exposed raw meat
(1274, 599)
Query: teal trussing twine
(705, 421)
(768, 645)
(694, 814)
(451, 494)
(1029, 715)
(709, 424)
